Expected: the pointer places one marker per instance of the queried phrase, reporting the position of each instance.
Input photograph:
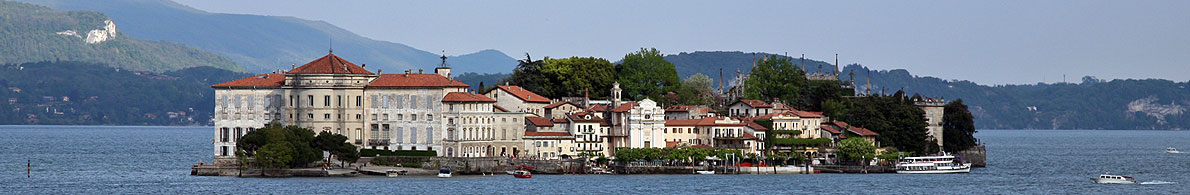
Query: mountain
(711, 62)
(33, 33)
(266, 43)
(84, 93)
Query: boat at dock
(932, 165)
(444, 173)
(1172, 150)
(394, 173)
(1106, 178)
(705, 172)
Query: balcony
(378, 142)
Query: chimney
(292, 66)
(407, 72)
(361, 65)
(418, 71)
(378, 71)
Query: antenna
(331, 43)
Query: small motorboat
(1106, 178)
(597, 170)
(394, 173)
(444, 173)
(522, 174)
(1172, 150)
(705, 172)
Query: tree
(696, 90)
(895, 118)
(775, 77)
(292, 144)
(856, 148)
(527, 75)
(646, 74)
(958, 127)
(575, 76)
(274, 156)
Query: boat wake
(1157, 182)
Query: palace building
(404, 111)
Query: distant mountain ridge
(33, 33)
(711, 62)
(266, 43)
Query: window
(400, 134)
(413, 102)
(326, 116)
(311, 99)
(400, 117)
(430, 135)
(326, 101)
(385, 117)
(429, 117)
(236, 137)
(375, 101)
(359, 100)
(311, 115)
(223, 134)
(340, 101)
(385, 101)
(251, 102)
(413, 117)
(291, 100)
(413, 135)
(373, 116)
(358, 116)
(237, 101)
(401, 101)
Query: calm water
(121, 160)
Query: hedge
(791, 132)
(800, 141)
(374, 152)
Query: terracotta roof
(465, 97)
(756, 126)
(524, 94)
(560, 120)
(260, 80)
(831, 129)
(792, 112)
(534, 133)
(749, 136)
(415, 80)
(501, 109)
(855, 129)
(540, 122)
(582, 117)
(597, 108)
(329, 64)
(671, 144)
(756, 103)
(701, 146)
(560, 103)
(625, 107)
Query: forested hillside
(80, 93)
(33, 33)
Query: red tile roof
(856, 129)
(415, 80)
(560, 120)
(534, 133)
(465, 97)
(260, 80)
(329, 64)
(831, 129)
(792, 112)
(524, 94)
(597, 108)
(560, 103)
(749, 136)
(756, 126)
(756, 103)
(582, 117)
(501, 109)
(701, 146)
(625, 107)
(540, 122)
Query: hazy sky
(989, 42)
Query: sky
(988, 42)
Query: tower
(443, 69)
(615, 94)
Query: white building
(518, 99)
(749, 108)
(382, 111)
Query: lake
(156, 160)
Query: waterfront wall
(976, 155)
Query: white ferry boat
(1113, 179)
(932, 164)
